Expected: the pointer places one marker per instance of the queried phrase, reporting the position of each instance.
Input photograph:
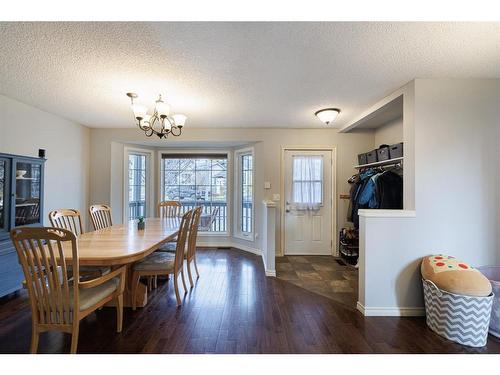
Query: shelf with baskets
(380, 163)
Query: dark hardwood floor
(233, 308)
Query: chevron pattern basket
(459, 318)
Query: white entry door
(308, 202)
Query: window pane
(187, 178)
(171, 193)
(203, 193)
(202, 177)
(203, 164)
(172, 178)
(246, 197)
(186, 164)
(219, 191)
(137, 185)
(247, 194)
(187, 193)
(219, 164)
(171, 164)
(198, 181)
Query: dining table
(123, 245)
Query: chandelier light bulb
(139, 111)
(179, 120)
(163, 109)
(145, 120)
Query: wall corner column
(269, 238)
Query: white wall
(389, 133)
(25, 129)
(456, 192)
(267, 143)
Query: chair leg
(150, 283)
(183, 280)
(119, 313)
(34, 340)
(196, 267)
(188, 266)
(155, 282)
(74, 337)
(176, 288)
(135, 284)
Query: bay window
(197, 180)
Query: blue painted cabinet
(21, 204)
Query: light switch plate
(276, 197)
(267, 185)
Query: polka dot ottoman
(458, 300)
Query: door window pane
(307, 184)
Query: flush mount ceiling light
(159, 122)
(327, 115)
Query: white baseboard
(271, 273)
(248, 249)
(390, 311)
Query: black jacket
(390, 190)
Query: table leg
(141, 296)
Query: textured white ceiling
(233, 74)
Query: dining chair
(163, 263)
(58, 300)
(100, 215)
(207, 225)
(71, 219)
(190, 253)
(169, 209)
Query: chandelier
(160, 122)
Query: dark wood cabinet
(21, 204)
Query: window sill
(213, 234)
(249, 238)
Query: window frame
(229, 185)
(150, 201)
(238, 191)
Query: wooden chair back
(67, 218)
(40, 252)
(193, 231)
(181, 240)
(169, 209)
(100, 215)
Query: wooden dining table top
(123, 243)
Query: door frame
(333, 195)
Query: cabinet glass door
(28, 189)
(4, 194)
